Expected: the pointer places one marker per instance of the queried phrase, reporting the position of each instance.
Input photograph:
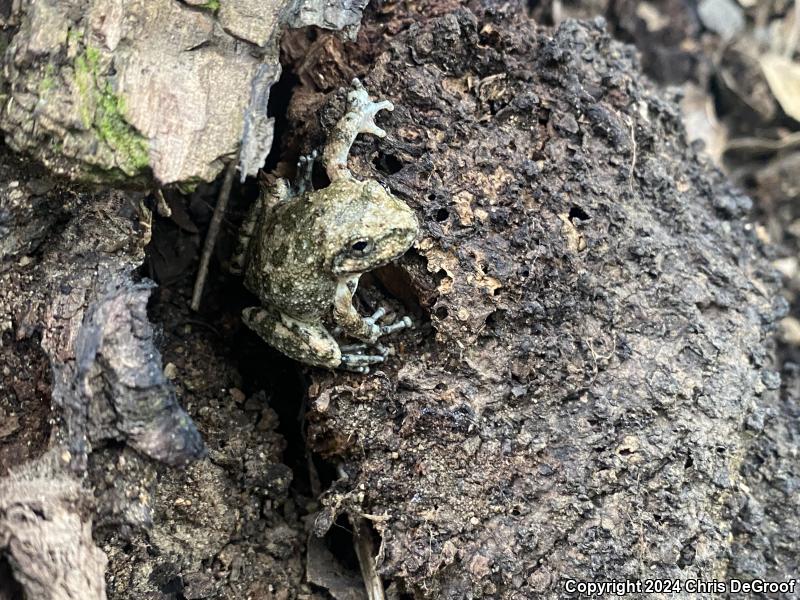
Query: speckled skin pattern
(305, 252)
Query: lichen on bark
(135, 92)
(104, 112)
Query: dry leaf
(783, 77)
(700, 120)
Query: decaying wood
(597, 359)
(588, 392)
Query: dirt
(227, 526)
(24, 403)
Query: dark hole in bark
(339, 541)
(493, 319)
(576, 212)
(387, 163)
(279, 97)
(166, 577)
(442, 214)
(9, 587)
(688, 552)
(285, 387)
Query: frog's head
(372, 228)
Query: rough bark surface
(70, 289)
(109, 90)
(588, 392)
(46, 536)
(597, 362)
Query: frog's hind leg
(309, 343)
(360, 118)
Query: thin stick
(366, 559)
(633, 159)
(213, 232)
(794, 33)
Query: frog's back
(285, 268)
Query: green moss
(74, 35)
(189, 186)
(84, 80)
(118, 133)
(103, 111)
(212, 5)
(48, 78)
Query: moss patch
(212, 5)
(103, 111)
(48, 81)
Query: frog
(303, 251)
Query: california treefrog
(303, 252)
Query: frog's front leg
(309, 343)
(352, 323)
(347, 317)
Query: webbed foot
(357, 357)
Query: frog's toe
(362, 347)
(376, 316)
(404, 323)
(305, 169)
(363, 370)
(353, 348)
(306, 161)
(356, 360)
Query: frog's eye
(361, 247)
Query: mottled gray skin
(306, 251)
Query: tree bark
(597, 362)
(588, 393)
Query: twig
(557, 11)
(633, 159)
(366, 559)
(794, 33)
(161, 204)
(213, 232)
